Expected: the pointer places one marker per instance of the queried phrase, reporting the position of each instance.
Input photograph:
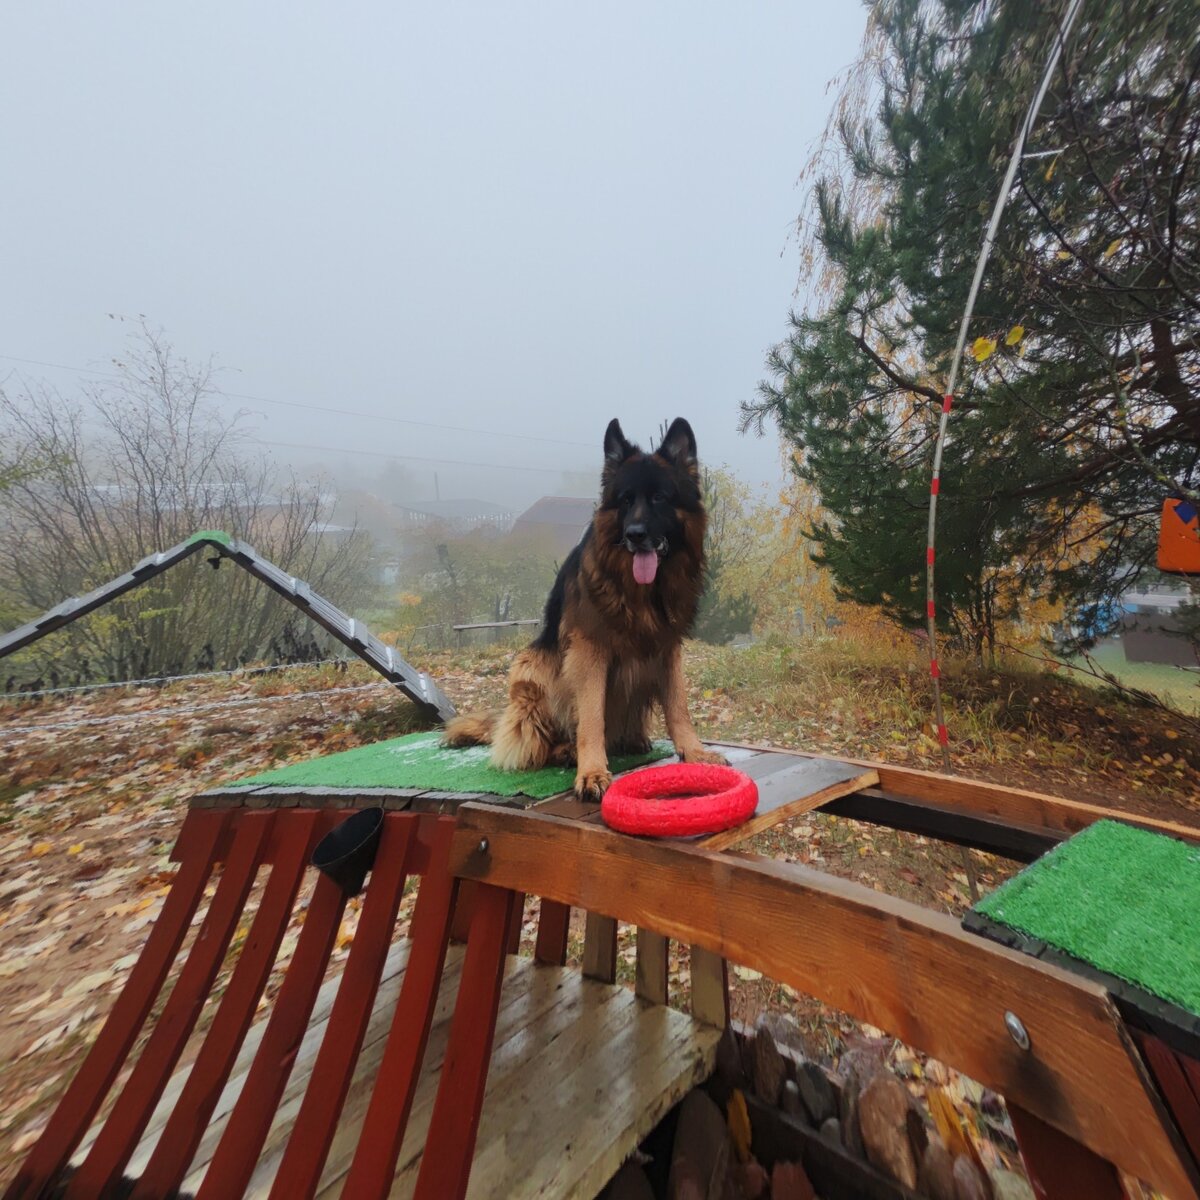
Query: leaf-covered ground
(93, 787)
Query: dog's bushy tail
(471, 729)
(525, 735)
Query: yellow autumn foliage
(982, 348)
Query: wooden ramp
(580, 1072)
(427, 1068)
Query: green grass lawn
(1174, 685)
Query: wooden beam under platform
(907, 970)
(1053, 817)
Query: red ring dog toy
(679, 800)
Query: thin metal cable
(1014, 161)
(180, 711)
(159, 679)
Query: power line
(452, 462)
(325, 408)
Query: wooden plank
(909, 971)
(710, 987)
(566, 805)
(464, 908)
(254, 1038)
(571, 1092)
(791, 792)
(135, 1106)
(554, 923)
(761, 764)
(600, 948)
(532, 1007)
(450, 1144)
(1034, 810)
(242, 1118)
(345, 1140)
(652, 962)
(600, 1088)
(1059, 1168)
(320, 798)
(1191, 1068)
(315, 1123)
(396, 1082)
(581, 1071)
(516, 923)
(195, 845)
(1167, 1067)
(187, 1122)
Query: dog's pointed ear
(617, 447)
(679, 445)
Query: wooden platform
(581, 1071)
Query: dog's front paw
(705, 756)
(590, 786)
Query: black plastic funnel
(347, 852)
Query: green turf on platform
(421, 761)
(1125, 900)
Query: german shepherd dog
(611, 641)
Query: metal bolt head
(483, 845)
(1016, 1030)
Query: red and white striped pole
(989, 239)
(935, 671)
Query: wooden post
(710, 988)
(652, 955)
(600, 948)
(513, 945)
(554, 922)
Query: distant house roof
(558, 521)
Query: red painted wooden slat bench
(373, 1083)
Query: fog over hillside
(446, 243)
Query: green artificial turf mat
(210, 535)
(1124, 900)
(419, 760)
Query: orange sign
(1179, 538)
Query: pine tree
(1081, 406)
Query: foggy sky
(511, 217)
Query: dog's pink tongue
(645, 566)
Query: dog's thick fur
(610, 647)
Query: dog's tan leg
(585, 669)
(679, 722)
